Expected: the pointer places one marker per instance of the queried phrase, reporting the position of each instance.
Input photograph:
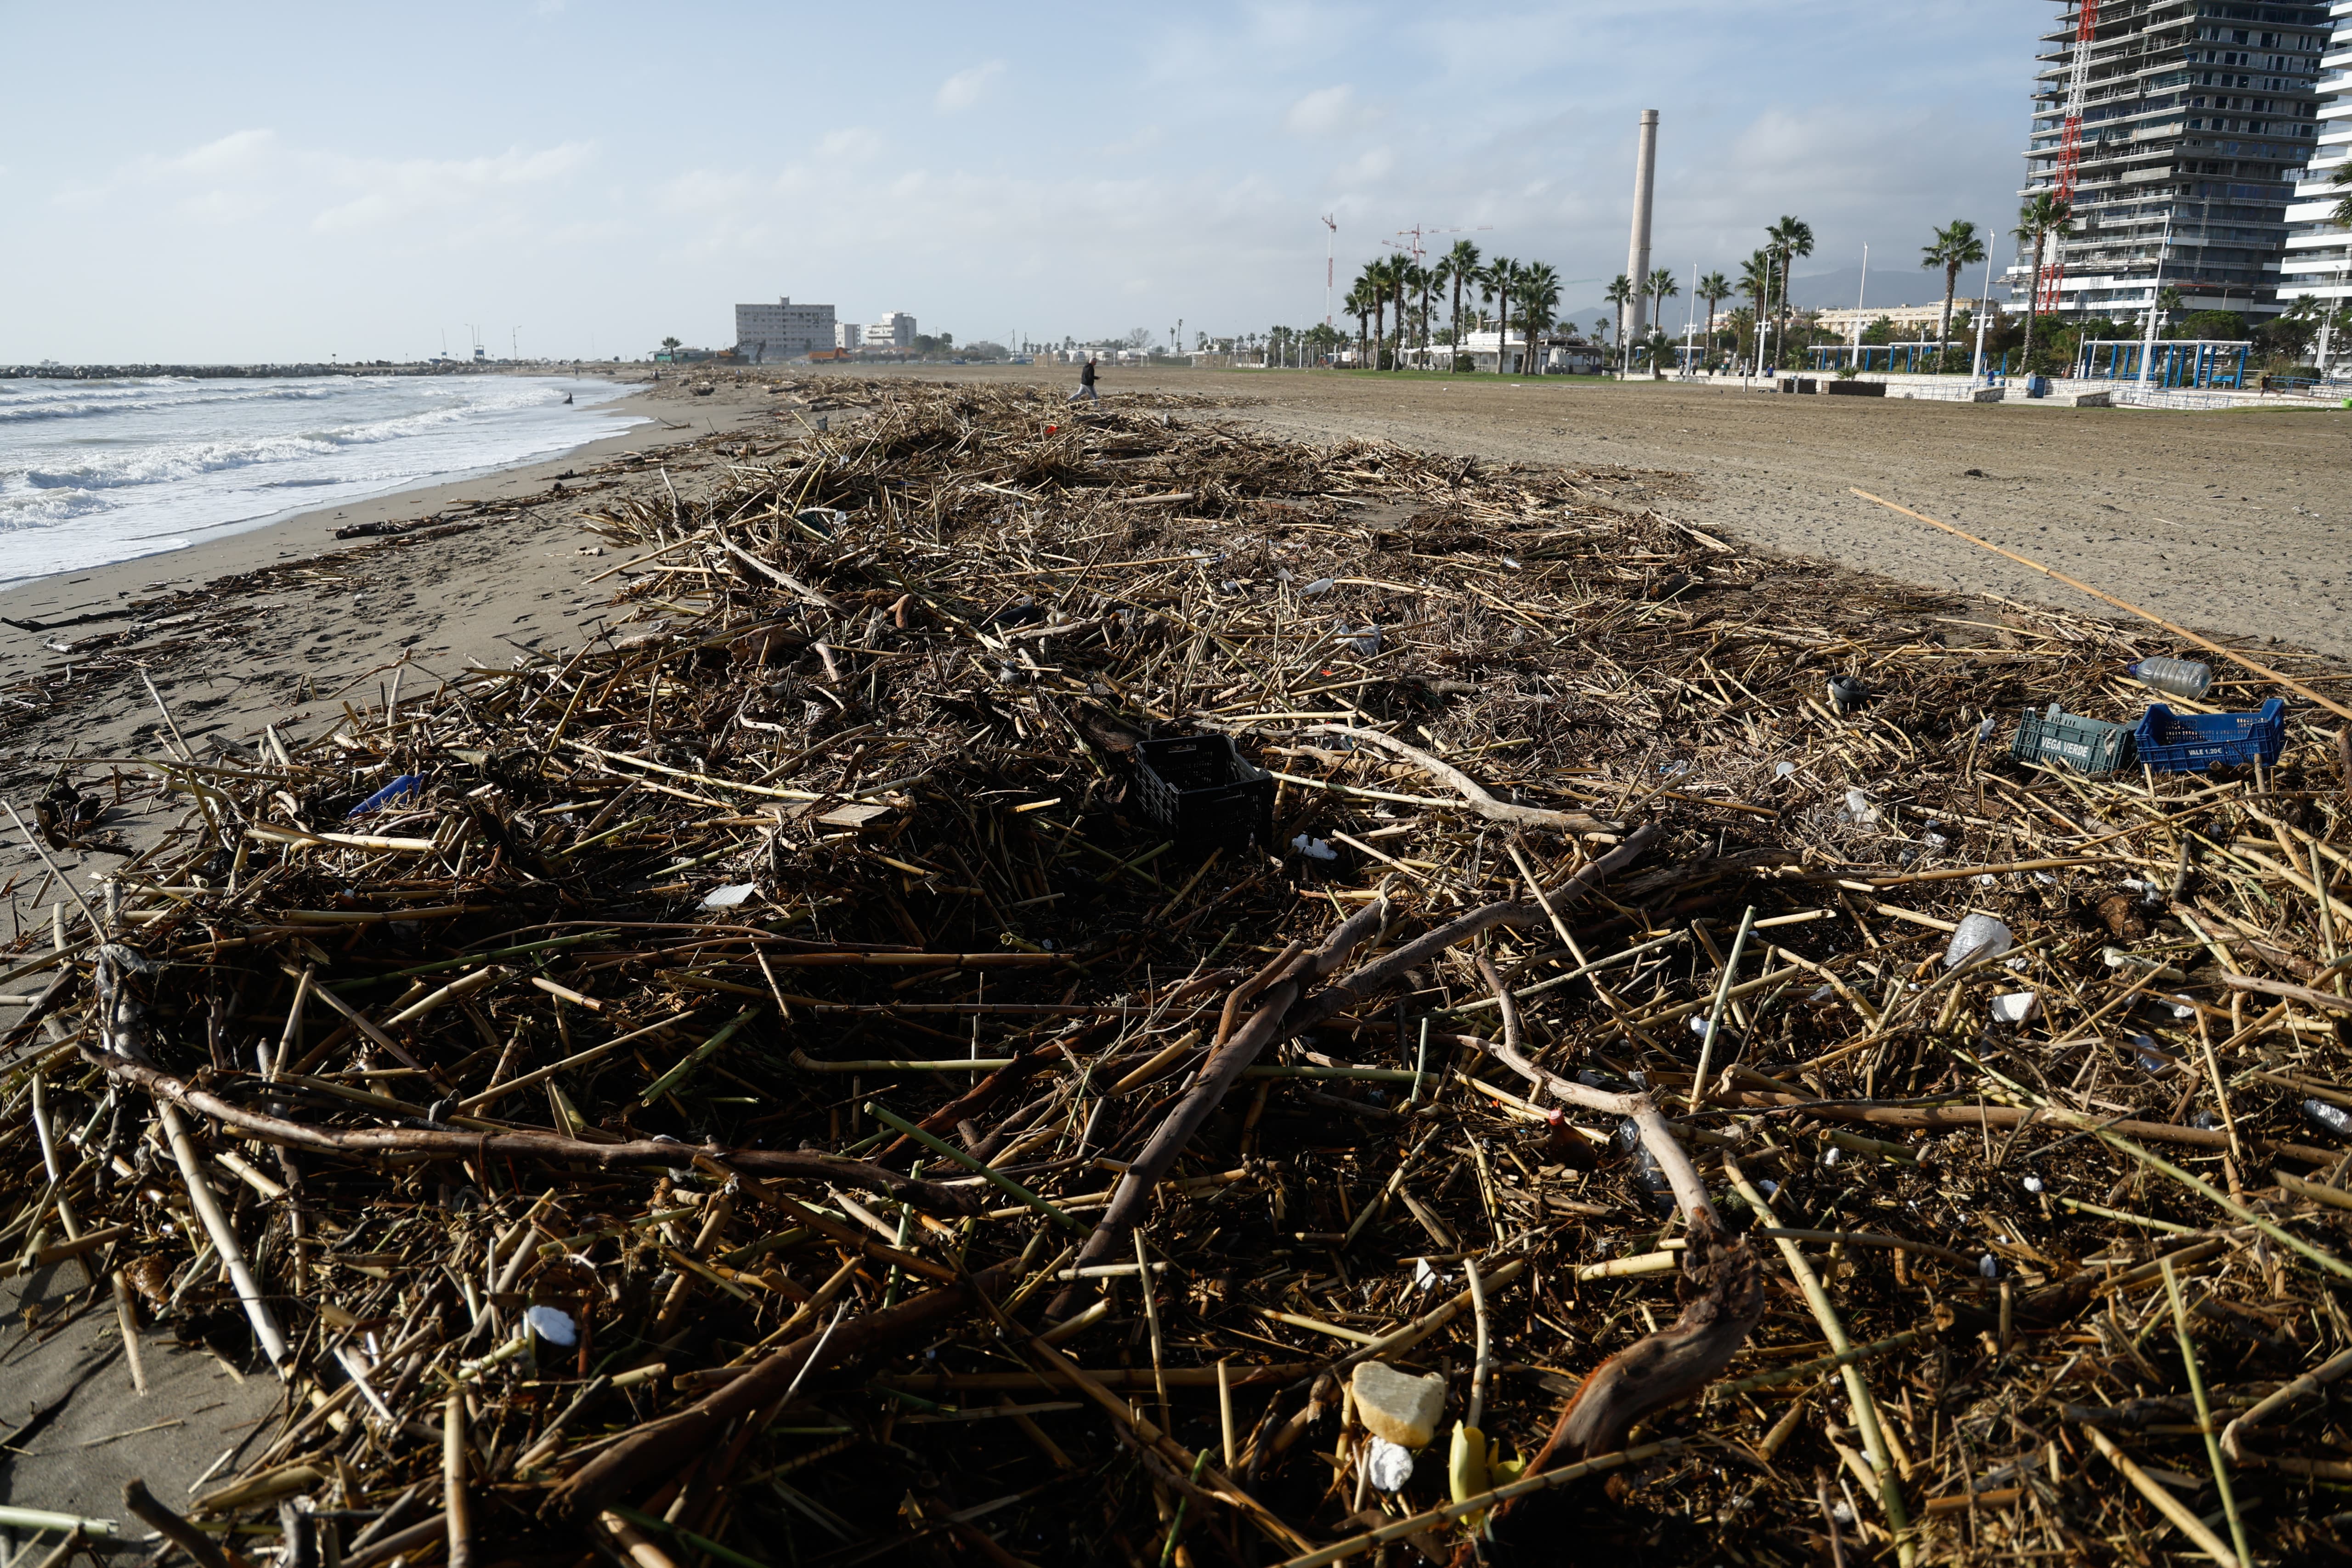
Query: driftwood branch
(1657, 1136)
(1341, 996)
(667, 1445)
(1276, 991)
(1473, 792)
(546, 1147)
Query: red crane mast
(2070, 152)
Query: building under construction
(2191, 118)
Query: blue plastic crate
(2191, 743)
(2087, 745)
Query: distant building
(782, 330)
(2200, 114)
(1911, 322)
(848, 335)
(2318, 253)
(894, 331)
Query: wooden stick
(460, 1517)
(2166, 1503)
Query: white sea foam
(98, 471)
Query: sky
(580, 178)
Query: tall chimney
(1637, 256)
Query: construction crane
(1415, 233)
(2070, 152)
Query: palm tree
(1460, 267)
(1601, 331)
(1715, 289)
(1425, 279)
(2046, 216)
(1538, 304)
(1620, 293)
(1662, 287)
(1955, 246)
(1360, 304)
(1758, 274)
(1374, 281)
(1399, 270)
(669, 347)
(1740, 322)
(2341, 216)
(1788, 239)
(1501, 277)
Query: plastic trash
(2175, 677)
(1858, 807)
(2016, 1007)
(554, 1325)
(1846, 693)
(2331, 1118)
(1366, 642)
(399, 789)
(729, 897)
(1985, 730)
(1319, 586)
(2033, 1184)
(1387, 1467)
(1313, 848)
(1989, 1266)
(1980, 936)
(2153, 1058)
(1783, 770)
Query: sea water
(98, 471)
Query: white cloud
(390, 190)
(853, 144)
(1325, 110)
(237, 152)
(1375, 164)
(963, 90)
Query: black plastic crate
(1203, 791)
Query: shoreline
(283, 623)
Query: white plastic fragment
(1783, 770)
(2016, 1007)
(1321, 586)
(1387, 1465)
(728, 896)
(1313, 848)
(2033, 1184)
(554, 1325)
(1989, 1266)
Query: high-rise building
(2319, 249)
(2198, 114)
(894, 331)
(847, 335)
(783, 330)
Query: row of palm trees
(1392, 300)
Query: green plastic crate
(2087, 745)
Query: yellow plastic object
(1466, 1464)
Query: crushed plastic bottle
(2175, 676)
(1980, 936)
(2154, 1060)
(1985, 730)
(1366, 641)
(1858, 808)
(2332, 1118)
(398, 790)
(1989, 1266)
(1319, 586)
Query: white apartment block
(848, 335)
(782, 330)
(2320, 252)
(894, 331)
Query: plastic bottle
(2177, 677)
(1980, 936)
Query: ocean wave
(78, 400)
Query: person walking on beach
(1087, 383)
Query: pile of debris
(1103, 988)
